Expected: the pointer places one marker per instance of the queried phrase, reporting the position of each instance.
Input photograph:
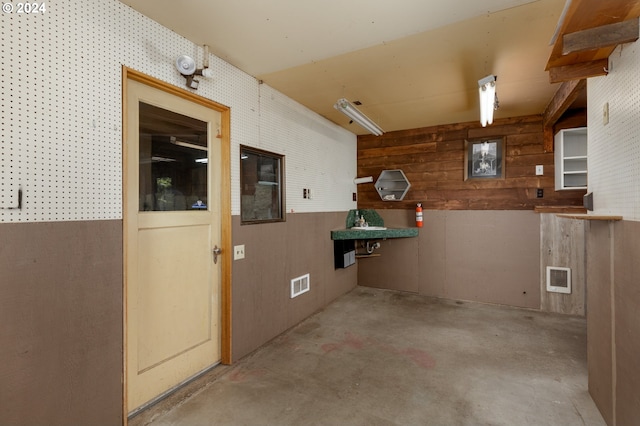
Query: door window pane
(261, 179)
(173, 161)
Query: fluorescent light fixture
(156, 159)
(348, 109)
(488, 99)
(175, 141)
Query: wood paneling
(601, 37)
(275, 254)
(562, 244)
(466, 255)
(579, 71)
(564, 97)
(433, 160)
(584, 14)
(613, 330)
(599, 317)
(61, 315)
(627, 326)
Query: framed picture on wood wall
(484, 159)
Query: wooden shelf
(589, 217)
(560, 209)
(392, 184)
(571, 159)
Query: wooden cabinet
(571, 158)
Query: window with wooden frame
(261, 186)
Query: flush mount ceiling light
(488, 99)
(187, 67)
(348, 109)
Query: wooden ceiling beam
(585, 14)
(562, 100)
(600, 37)
(585, 37)
(579, 71)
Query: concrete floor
(378, 357)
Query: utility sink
(375, 231)
(369, 228)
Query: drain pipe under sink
(372, 247)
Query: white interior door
(172, 228)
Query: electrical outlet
(306, 194)
(540, 193)
(354, 197)
(238, 252)
(539, 170)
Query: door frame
(225, 211)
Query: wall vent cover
(299, 285)
(558, 279)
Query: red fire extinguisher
(419, 215)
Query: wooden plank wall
(433, 160)
(562, 243)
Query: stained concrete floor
(378, 357)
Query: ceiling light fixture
(173, 140)
(187, 67)
(488, 99)
(348, 109)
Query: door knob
(216, 252)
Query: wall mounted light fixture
(488, 99)
(348, 109)
(360, 180)
(187, 67)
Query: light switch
(539, 170)
(238, 252)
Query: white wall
(60, 105)
(614, 149)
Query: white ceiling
(412, 63)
